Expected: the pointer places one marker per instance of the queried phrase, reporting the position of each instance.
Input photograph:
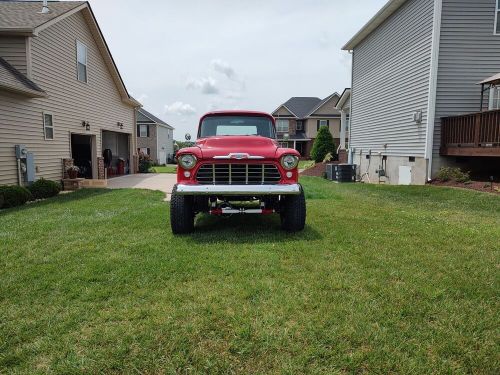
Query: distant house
(301, 118)
(154, 137)
(61, 95)
(416, 103)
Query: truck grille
(238, 174)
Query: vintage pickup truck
(237, 167)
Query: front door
(299, 146)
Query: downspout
(431, 104)
(350, 151)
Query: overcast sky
(181, 59)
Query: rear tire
(293, 212)
(181, 213)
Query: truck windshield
(236, 125)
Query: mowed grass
(383, 280)
(170, 168)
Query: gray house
(427, 58)
(154, 137)
(61, 96)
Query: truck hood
(225, 145)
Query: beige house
(301, 117)
(61, 95)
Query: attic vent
(45, 8)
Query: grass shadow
(241, 229)
(62, 198)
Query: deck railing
(474, 134)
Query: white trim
(140, 131)
(431, 104)
(45, 127)
(322, 103)
(287, 128)
(86, 61)
(383, 14)
(497, 10)
(288, 109)
(70, 12)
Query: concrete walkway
(152, 181)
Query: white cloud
(205, 85)
(180, 108)
(223, 67)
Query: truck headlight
(187, 161)
(289, 161)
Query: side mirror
(286, 137)
(187, 137)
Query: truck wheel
(293, 212)
(181, 213)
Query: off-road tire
(181, 213)
(293, 212)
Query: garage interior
(81, 152)
(116, 153)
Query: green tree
(323, 144)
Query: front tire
(181, 213)
(293, 212)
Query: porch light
(120, 125)
(86, 125)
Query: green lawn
(383, 280)
(304, 164)
(164, 169)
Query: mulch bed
(318, 170)
(472, 185)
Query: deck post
(477, 129)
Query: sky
(183, 58)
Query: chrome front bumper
(183, 189)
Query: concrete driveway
(152, 181)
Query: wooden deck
(473, 134)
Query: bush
(145, 163)
(42, 189)
(452, 174)
(12, 196)
(323, 144)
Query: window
(236, 125)
(495, 98)
(142, 131)
(143, 150)
(48, 126)
(283, 144)
(321, 123)
(347, 123)
(282, 126)
(81, 61)
(497, 18)
(300, 125)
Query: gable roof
(388, 9)
(13, 80)
(321, 103)
(22, 18)
(300, 106)
(145, 116)
(344, 98)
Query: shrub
(12, 196)
(323, 144)
(42, 189)
(452, 174)
(145, 163)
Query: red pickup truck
(237, 167)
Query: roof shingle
(301, 106)
(13, 80)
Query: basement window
(411, 159)
(48, 126)
(81, 61)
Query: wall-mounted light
(86, 125)
(120, 125)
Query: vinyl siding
(469, 53)
(69, 101)
(391, 69)
(282, 111)
(311, 125)
(165, 140)
(13, 50)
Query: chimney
(45, 8)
